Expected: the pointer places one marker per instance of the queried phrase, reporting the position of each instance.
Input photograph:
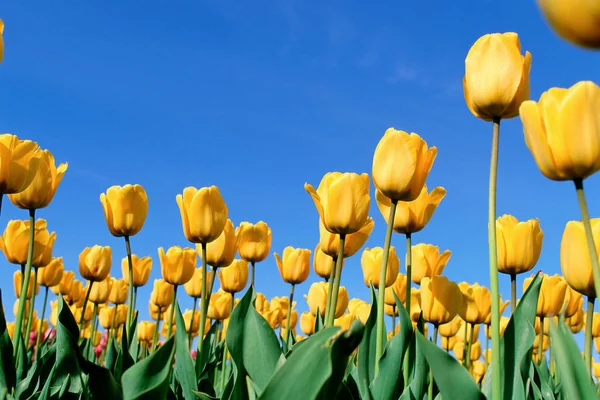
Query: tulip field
(80, 335)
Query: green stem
(30, 316)
(24, 285)
(135, 289)
(288, 331)
(587, 345)
(465, 344)
(513, 292)
(112, 324)
(487, 344)
(85, 301)
(173, 305)
(205, 298)
(156, 327)
(330, 288)
(94, 327)
(496, 357)
(435, 334)
(337, 279)
(470, 345)
(430, 391)
(381, 329)
(38, 340)
(252, 264)
(585, 215)
(393, 320)
(408, 270)
(130, 302)
(192, 323)
(541, 342)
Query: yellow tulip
(145, 331)
(19, 159)
(519, 244)
(545, 343)
(15, 242)
(253, 241)
(293, 319)
(77, 310)
(411, 216)
(476, 304)
(51, 274)
(572, 301)
(295, 265)
(552, 295)
(448, 343)
(330, 242)
(307, 323)
(451, 328)
(547, 322)
(427, 261)
(576, 321)
(344, 321)
(597, 370)
(562, 131)
(459, 349)
(193, 287)
(64, 287)
(141, 269)
(234, 277)
(221, 252)
(155, 311)
(477, 370)
(441, 299)
(322, 262)
(415, 304)
(342, 200)
(281, 303)
(219, 307)
(32, 287)
(503, 305)
(203, 213)
(177, 264)
(390, 310)
(125, 209)
(261, 303)
(162, 294)
(371, 265)
(121, 315)
(101, 291)
(95, 263)
(118, 291)
(273, 317)
(401, 164)
(317, 299)
(577, 21)
(575, 261)
(76, 294)
(398, 287)
(43, 186)
(191, 321)
(496, 78)
(106, 316)
(360, 309)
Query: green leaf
(419, 371)
(184, 367)
(367, 350)
(134, 345)
(37, 375)
(574, 375)
(149, 378)
(101, 383)
(319, 324)
(23, 361)
(453, 380)
(8, 374)
(112, 353)
(208, 355)
(389, 383)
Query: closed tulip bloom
(19, 159)
(145, 331)
(221, 252)
(503, 324)
(261, 303)
(448, 343)
(545, 343)
(141, 269)
(576, 321)
(118, 291)
(95, 263)
(427, 261)
(577, 21)
(16, 307)
(203, 213)
(399, 288)
(121, 315)
(572, 301)
(597, 370)
(547, 322)
(475, 350)
(177, 264)
(234, 277)
(562, 131)
(191, 320)
(219, 307)
(342, 200)
(162, 294)
(476, 304)
(76, 294)
(15, 242)
(411, 216)
(281, 303)
(31, 288)
(330, 242)
(155, 311)
(294, 266)
(273, 317)
(519, 244)
(51, 274)
(105, 317)
(496, 78)
(401, 164)
(43, 186)
(307, 323)
(441, 299)
(125, 209)
(390, 310)
(322, 262)
(317, 299)
(450, 328)
(344, 321)
(77, 310)
(575, 261)
(595, 325)
(415, 305)
(193, 287)
(101, 291)
(360, 309)
(293, 319)
(552, 295)
(253, 241)
(371, 264)
(64, 287)
(477, 370)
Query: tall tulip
(48, 276)
(253, 243)
(162, 297)
(575, 20)
(20, 159)
(234, 277)
(428, 261)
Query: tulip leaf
(37, 375)
(540, 377)
(318, 321)
(133, 343)
(208, 354)
(101, 383)
(453, 380)
(149, 378)
(127, 360)
(418, 370)
(389, 383)
(111, 355)
(367, 351)
(22, 362)
(574, 374)
(184, 367)
(8, 374)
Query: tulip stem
(39, 335)
(381, 328)
(173, 305)
(541, 342)
(337, 280)
(471, 339)
(495, 320)
(288, 330)
(430, 391)
(93, 329)
(192, 322)
(252, 264)
(487, 344)
(24, 285)
(587, 345)
(155, 336)
(30, 314)
(205, 299)
(134, 299)
(408, 270)
(85, 301)
(130, 300)
(393, 320)
(513, 292)
(435, 334)
(585, 215)
(330, 288)
(112, 324)
(465, 344)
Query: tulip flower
(51, 274)
(451, 328)
(360, 309)
(477, 370)
(100, 291)
(221, 252)
(371, 262)
(476, 303)
(220, 305)
(145, 332)
(64, 287)
(575, 261)
(317, 299)
(203, 213)
(577, 320)
(574, 20)
(273, 317)
(141, 267)
(344, 321)
(399, 288)
(118, 291)
(20, 158)
(253, 243)
(441, 299)
(307, 323)
(261, 303)
(427, 261)
(294, 266)
(15, 243)
(572, 302)
(234, 277)
(323, 263)
(125, 209)
(330, 243)
(95, 263)
(32, 285)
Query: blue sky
(260, 97)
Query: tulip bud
(31, 287)
(519, 244)
(51, 274)
(576, 321)
(574, 20)
(503, 305)
(597, 370)
(293, 320)
(177, 264)
(496, 78)
(342, 200)
(401, 164)
(193, 287)
(371, 262)
(141, 269)
(203, 213)
(125, 209)
(253, 241)
(575, 261)
(317, 299)
(572, 301)
(15, 242)
(441, 299)
(330, 242)
(106, 317)
(281, 303)
(221, 252)
(64, 287)
(322, 262)
(390, 310)
(448, 342)
(101, 291)
(476, 304)
(118, 291)
(344, 321)
(162, 294)
(398, 287)
(145, 331)
(20, 158)
(360, 309)
(307, 323)
(219, 307)
(234, 277)
(95, 263)
(427, 261)
(415, 305)
(295, 265)
(121, 314)
(451, 328)
(552, 295)
(477, 370)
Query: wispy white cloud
(402, 73)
